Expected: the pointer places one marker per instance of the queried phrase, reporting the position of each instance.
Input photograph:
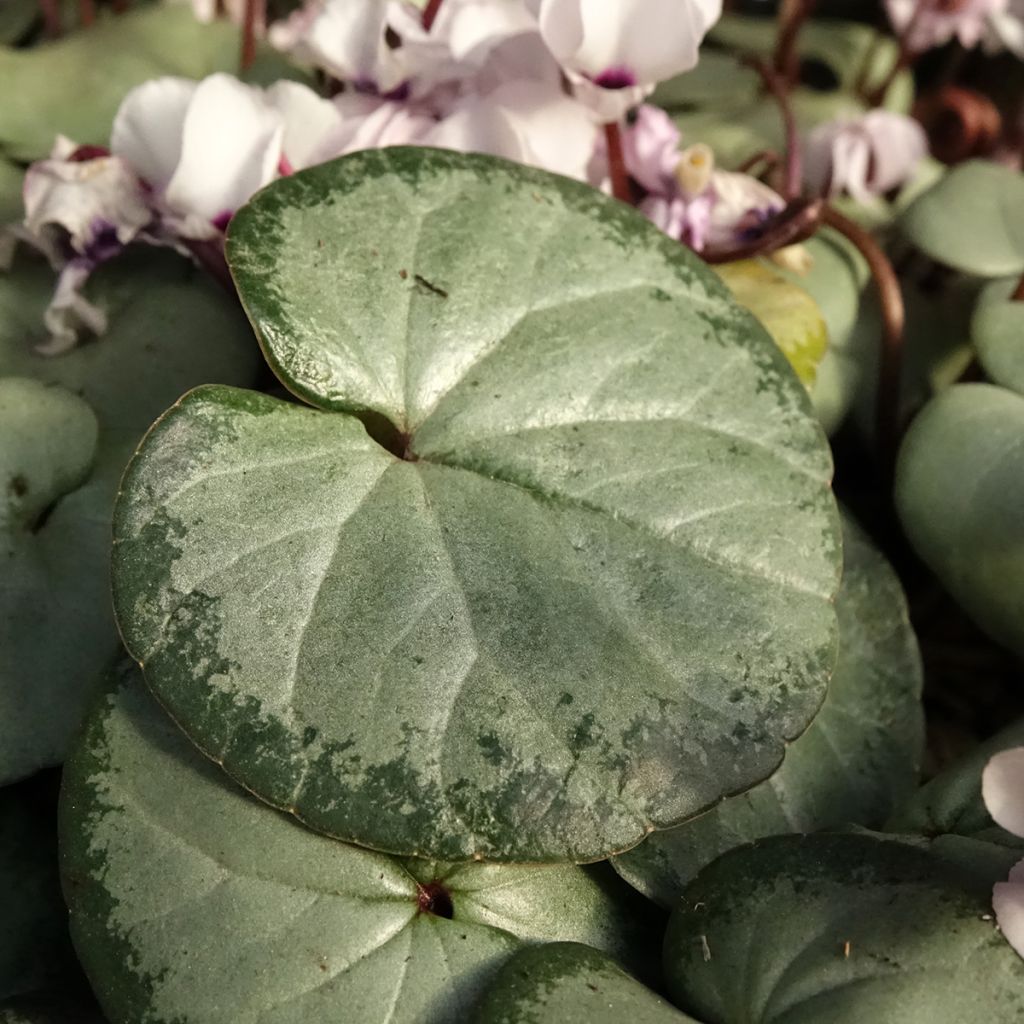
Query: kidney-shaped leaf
(858, 758)
(192, 901)
(850, 929)
(972, 220)
(169, 330)
(960, 497)
(581, 590)
(568, 983)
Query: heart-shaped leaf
(787, 311)
(997, 332)
(858, 758)
(74, 86)
(164, 860)
(850, 929)
(567, 983)
(583, 587)
(972, 220)
(960, 492)
(952, 801)
(34, 947)
(169, 330)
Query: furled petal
(372, 123)
(345, 38)
(1002, 789)
(479, 125)
(70, 312)
(629, 42)
(148, 128)
(231, 147)
(313, 126)
(742, 206)
(650, 147)
(98, 202)
(1008, 902)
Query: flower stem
(51, 18)
(430, 13)
(890, 295)
(905, 58)
(792, 15)
(1018, 292)
(617, 162)
(255, 11)
(793, 170)
(87, 12)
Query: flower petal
(70, 312)
(148, 128)
(1002, 789)
(313, 126)
(1008, 903)
(230, 148)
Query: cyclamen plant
(416, 499)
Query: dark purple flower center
(222, 220)
(616, 78)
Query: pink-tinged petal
(90, 200)
(1005, 30)
(346, 38)
(1002, 789)
(231, 147)
(935, 26)
(70, 312)
(630, 42)
(668, 214)
(898, 145)
(1008, 903)
(650, 147)
(148, 128)
(372, 123)
(313, 126)
(556, 132)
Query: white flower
(863, 156)
(615, 52)
(1005, 30)
(939, 22)
(1002, 788)
(345, 38)
(205, 148)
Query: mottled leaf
(856, 760)
(169, 330)
(567, 983)
(583, 587)
(850, 929)
(959, 494)
(972, 220)
(787, 311)
(193, 902)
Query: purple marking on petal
(105, 244)
(222, 220)
(616, 78)
(752, 224)
(83, 154)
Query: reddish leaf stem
(792, 15)
(617, 162)
(87, 13)
(793, 165)
(255, 12)
(430, 14)
(905, 58)
(890, 295)
(1018, 292)
(51, 18)
(795, 224)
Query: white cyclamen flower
(1002, 788)
(939, 21)
(615, 53)
(863, 156)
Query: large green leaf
(997, 331)
(960, 492)
(74, 86)
(34, 947)
(858, 758)
(585, 589)
(786, 310)
(972, 220)
(849, 929)
(169, 330)
(193, 902)
(952, 801)
(567, 983)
